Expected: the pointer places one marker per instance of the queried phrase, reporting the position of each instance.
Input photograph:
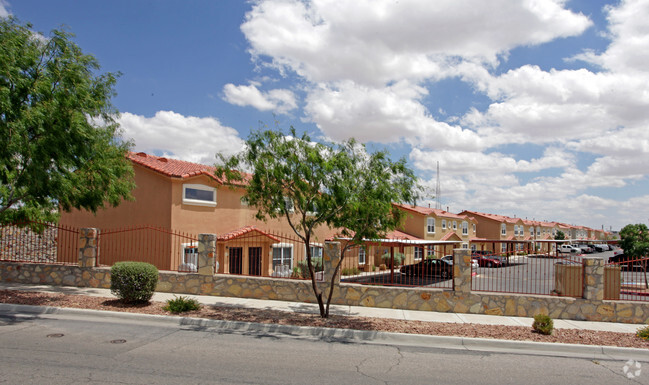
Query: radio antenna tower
(438, 191)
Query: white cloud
(182, 137)
(377, 41)
(4, 8)
(278, 100)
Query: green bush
(133, 281)
(351, 271)
(398, 259)
(303, 267)
(181, 304)
(543, 324)
(643, 333)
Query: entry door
(254, 261)
(236, 260)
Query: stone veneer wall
(458, 300)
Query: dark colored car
(429, 268)
(629, 263)
(491, 261)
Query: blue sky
(536, 109)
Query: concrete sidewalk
(343, 310)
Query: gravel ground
(518, 333)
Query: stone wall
(459, 300)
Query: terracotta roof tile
(243, 231)
(175, 168)
(429, 211)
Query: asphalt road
(83, 349)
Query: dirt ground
(518, 333)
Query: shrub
(181, 304)
(643, 333)
(543, 324)
(398, 259)
(303, 267)
(133, 281)
(351, 271)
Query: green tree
(634, 240)
(560, 235)
(311, 184)
(60, 144)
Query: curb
(348, 335)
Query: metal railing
(542, 274)
(164, 248)
(39, 242)
(627, 279)
(410, 266)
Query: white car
(449, 259)
(569, 249)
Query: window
(503, 248)
(188, 257)
(283, 256)
(465, 228)
(465, 245)
(316, 251)
(419, 253)
(244, 201)
(361, 255)
(430, 250)
(531, 231)
(431, 225)
(288, 204)
(454, 225)
(474, 228)
(503, 229)
(538, 231)
(443, 224)
(198, 194)
(474, 248)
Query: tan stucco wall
(152, 195)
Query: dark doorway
(254, 261)
(236, 260)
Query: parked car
(429, 268)
(598, 248)
(585, 249)
(491, 261)
(628, 263)
(449, 259)
(569, 249)
(606, 247)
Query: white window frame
(283, 258)
(538, 231)
(419, 253)
(465, 228)
(244, 202)
(474, 228)
(288, 204)
(443, 224)
(430, 224)
(430, 250)
(189, 262)
(474, 247)
(454, 225)
(503, 229)
(198, 202)
(362, 255)
(503, 248)
(465, 245)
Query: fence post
(593, 278)
(88, 250)
(206, 254)
(330, 260)
(462, 270)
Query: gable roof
(243, 231)
(495, 217)
(176, 168)
(430, 211)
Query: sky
(536, 109)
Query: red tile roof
(449, 235)
(429, 211)
(243, 231)
(495, 217)
(175, 168)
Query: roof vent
(163, 160)
(142, 154)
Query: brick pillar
(88, 251)
(593, 278)
(206, 254)
(462, 270)
(330, 260)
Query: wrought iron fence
(626, 278)
(164, 248)
(39, 242)
(521, 273)
(403, 265)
